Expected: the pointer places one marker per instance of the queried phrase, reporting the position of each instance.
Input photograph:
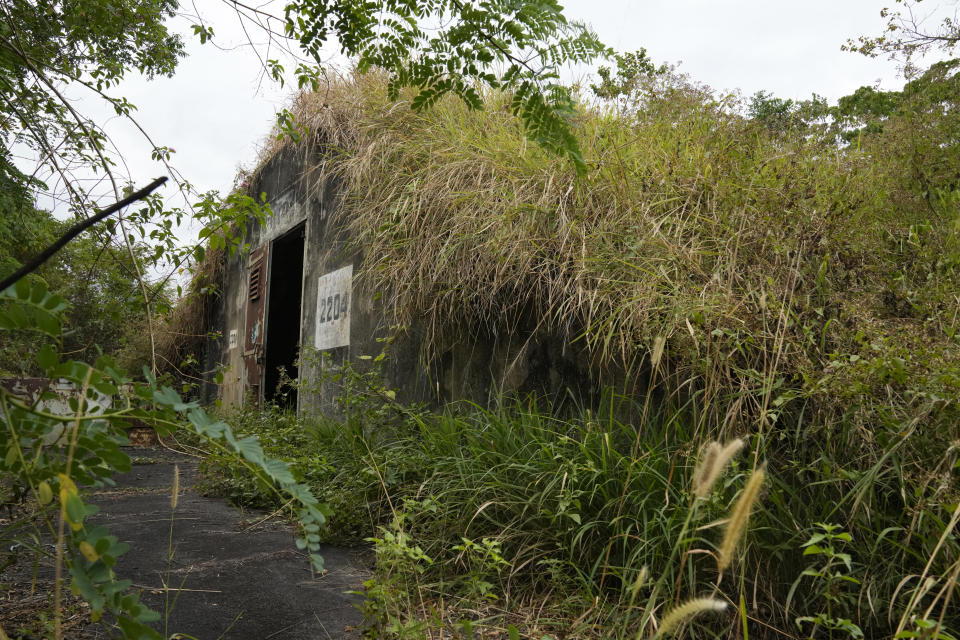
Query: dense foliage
(92, 274)
(53, 458)
(784, 273)
(46, 45)
(780, 268)
(452, 46)
(585, 526)
(51, 50)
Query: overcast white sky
(215, 111)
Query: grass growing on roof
(782, 273)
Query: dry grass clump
(182, 335)
(776, 269)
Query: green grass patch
(589, 525)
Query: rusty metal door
(254, 335)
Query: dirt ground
(232, 574)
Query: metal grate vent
(255, 284)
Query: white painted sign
(333, 309)
(233, 338)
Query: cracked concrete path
(234, 578)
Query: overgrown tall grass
(784, 274)
(577, 507)
(599, 524)
(797, 294)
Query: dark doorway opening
(283, 318)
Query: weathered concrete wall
(289, 201)
(478, 365)
(296, 198)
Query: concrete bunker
(296, 291)
(473, 255)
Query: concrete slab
(228, 579)
(233, 580)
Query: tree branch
(76, 230)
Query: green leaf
(278, 471)
(168, 397)
(47, 357)
(15, 317)
(847, 560)
(75, 509)
(21, 290)
(44, 493)
(7, 323)
(817, 537)
(249, 448)
(83, 586)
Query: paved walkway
(235, 580)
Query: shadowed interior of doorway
(283, 317)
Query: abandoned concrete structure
(293, 288)
(296, 291)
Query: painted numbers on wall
(333, 309)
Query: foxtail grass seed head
(657, 353)
(708, 461)
(684, 612)
(715, 460)
(641, 580)
(175, 491)
(739, 517)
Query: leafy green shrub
(337, 458)
(282, 435)
(766, 263)
(831, 581)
